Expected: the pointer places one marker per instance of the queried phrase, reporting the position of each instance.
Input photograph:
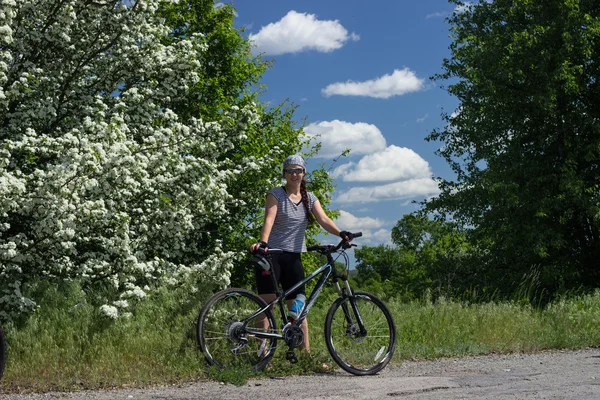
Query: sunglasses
(294, 171)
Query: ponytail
(309, 215)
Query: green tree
(134, 151)
(384, 270)
(524, 142)
(230, 76)
(428, 254)
(442, 250)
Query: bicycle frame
(326, 270)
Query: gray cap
(294, 160)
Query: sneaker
(297, 306)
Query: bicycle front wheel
(360, 334)
(222, 331)
(2, 352)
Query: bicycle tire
(356, 353)
(221, 335)
(2, 352)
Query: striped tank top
(290, 222)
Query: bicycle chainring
(293, 336)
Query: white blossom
(109, 311)
(121, 303)
(100, 179)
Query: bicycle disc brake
(354, 333)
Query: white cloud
(336, 136)
(396, 84)
(382, 236)
(436, 15)
(411, 189)
(420, 120)
(393, 163)
(349, 222)
(371, 228)
(343, 170)
(297, 32)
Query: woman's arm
(270, 214)
(324, 220)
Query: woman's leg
(304, 328)
(262, 322)
(291, 274)
(266, 282)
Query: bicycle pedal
(291, 357)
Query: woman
(289, 209)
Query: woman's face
(293, 173)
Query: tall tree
(525, 141)
(133, 149)
(428, 254)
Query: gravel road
(544, 375)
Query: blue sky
(359, 72)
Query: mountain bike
(237, 328)
(2, 352)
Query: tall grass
(67, 345)
(449, 328)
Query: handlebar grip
(312, 248)
(357, 234)
(264, 252)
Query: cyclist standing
(288, 211)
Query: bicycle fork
(352, 325)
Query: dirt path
(545, 375)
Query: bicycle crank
(293, 336)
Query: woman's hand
(259, 245)
(347, 236)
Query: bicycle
(2, 352)
(237, 328)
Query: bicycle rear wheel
(2, 352)
(358, 351)
(221, 332)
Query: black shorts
(288, 270)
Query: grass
(455, 329)
(67, 345)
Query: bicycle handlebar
(330, 248)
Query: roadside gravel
(543, 375)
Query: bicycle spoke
(222, 332)
(356, 350)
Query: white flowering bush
(107, 176)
